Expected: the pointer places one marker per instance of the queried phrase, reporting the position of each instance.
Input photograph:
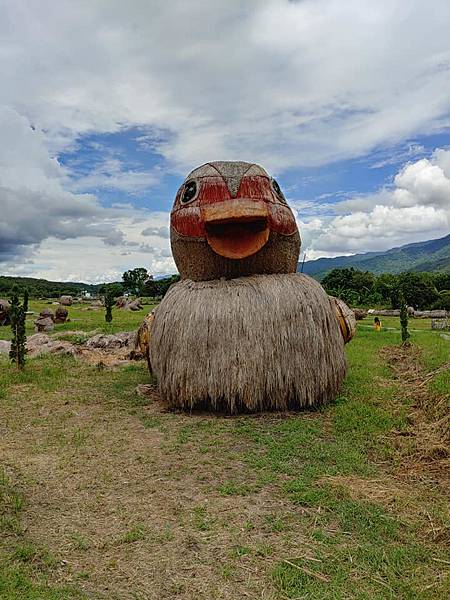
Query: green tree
(443, 302)
(418, 290)
(113, 289)
(25, 300)
(403, 318)
(351, 285)
(134, 279)
(387, 286)
(442, 281)
(19, 338)
(109, 302)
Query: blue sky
(346, 102)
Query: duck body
(242, 331)
(256, 343)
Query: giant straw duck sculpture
(243, 331)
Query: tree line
(422, 291)
(137, 282)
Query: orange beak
(236, 228)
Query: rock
(121, 302)
(44, 324)
(5, 307)
(40, 343)
(134, 305)
(360, 313)
(5, 347)
(47, 313)
(439, 324)
(430, 314)
(119, 340)
(61, 315)
(127, 304)
(384, 312)
(66, 300)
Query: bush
(443, 302)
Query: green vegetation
(404, 319)
(337, 503)
(136, 281)
(18, 336)
(429, 256)
(84, 318)
(423, 291)
(109, 303)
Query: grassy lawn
(84, 319)
(103, 494)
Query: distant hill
(44, 288)
(433, 255)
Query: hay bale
(66, 300)
(265, 342)
(61, 315)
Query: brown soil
(131, 517)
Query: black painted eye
(276, 188)
(190, 191)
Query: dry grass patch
(424, 444)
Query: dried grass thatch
(265, 342)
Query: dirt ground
(139, 519)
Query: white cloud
(283, 83)
(415, 208)
(111, 174)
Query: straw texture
(264, 342)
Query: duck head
(231, 219)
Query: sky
(106, 105)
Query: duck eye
(276, 188)
(190, 191)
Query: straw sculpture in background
(243, 331)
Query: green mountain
(44, 288)
(431, 256)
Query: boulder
(66, 300)
(134, 305)
(40, 343)
(44, 324)
(47, 313)
(384, 312)
(360, 313)
(439, 324)
(5, 307)
(106, 342)
(61, 315)
(121, 302)
(5, 347)
(430, 314)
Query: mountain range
(432, 255)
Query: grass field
(103, 494)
